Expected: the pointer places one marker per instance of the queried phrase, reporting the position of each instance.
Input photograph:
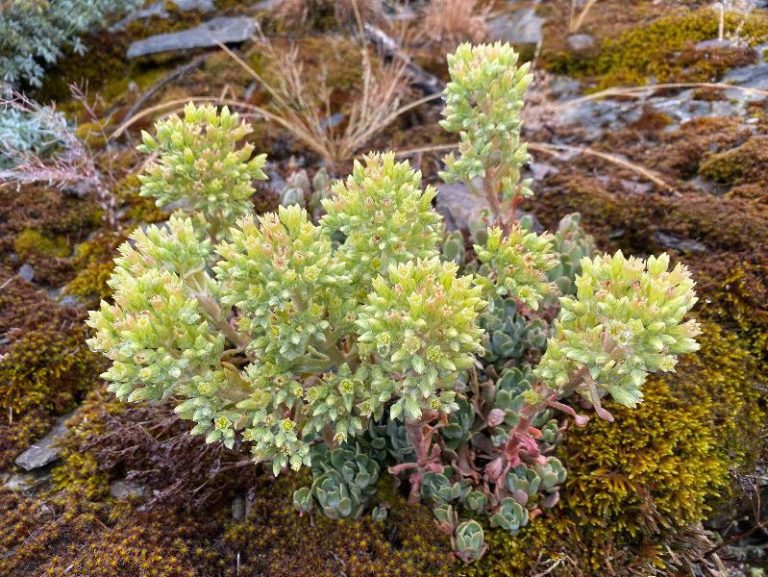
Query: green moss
(745, 163)
(94, 263)
(664, 50)
(31, 242)
(46, 364)
(407, 544)
(57, 536)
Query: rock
(266, 5)
(124, 489)
(581, 42)
(563, 87)
(518, 27)
(634, 187)
(21, 482)
(540, 170)
(70, 301)
(158, 10)
(754, 76)
(685, 245)
(238, 508)
(44, 452)
(26, 272)
(200, 5)
(223, 29)
(715, 44)
(458, 206)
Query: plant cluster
(27, 129)
(34, 33)
(348, 344)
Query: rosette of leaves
(625, 321)
(198, 165)
(469, 541)
(570, 244)
(344, 483)
(510, 337)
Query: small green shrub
(349, 346)
(33, 33)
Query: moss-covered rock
(665, 50)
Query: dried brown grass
(307, 110)
(448, 23)
(300, 12)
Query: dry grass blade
(556, 150)
(447, 23)
(577, 19)
(639, 91)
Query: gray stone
(581, 42)
(189, 5)
(45, 451)
(715, 44)
(70, 301)
(634, 187)
(266, 5)
(124, 489)
(540, 170)
(27, 272)
(518, 27)
(562, 87)
(158, 10)
(21, 482)
(224, 30)
(458, 205)
(685, 245)
(754, 76)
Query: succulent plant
(625, 321)
(571, 244)
(510, 516)
(483, 101)
(199, 166)
(347, 344)
(469, 541)
(344, 481)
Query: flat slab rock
(44, 451)
(225, 30)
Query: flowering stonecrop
(517, 263)
(353, 343)
(483, 101)
(384, 215)
(199, 165)
(624, 323)
(420, 326)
